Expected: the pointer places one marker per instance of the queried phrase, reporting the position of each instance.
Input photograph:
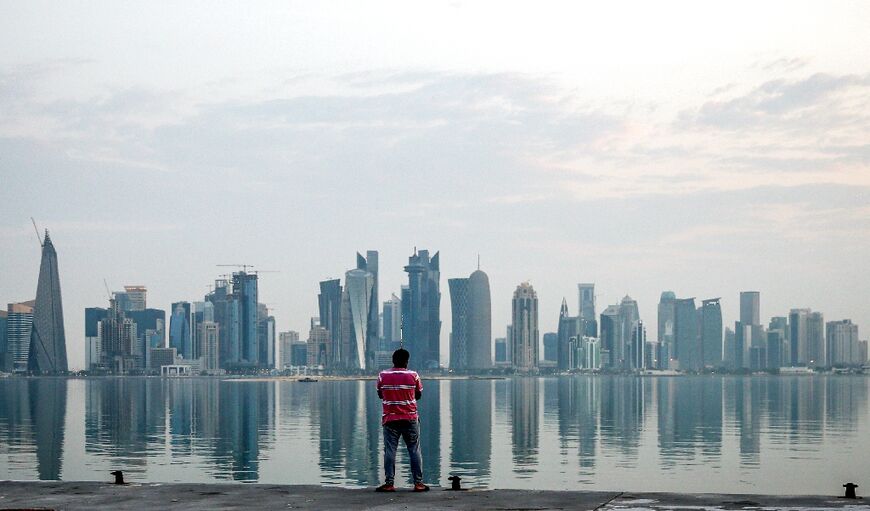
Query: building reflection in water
(595, 427)
(524, 407)
(471, 430)
(32, 414)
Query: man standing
(400, 388)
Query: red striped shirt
(397, 386)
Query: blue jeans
(410, 433)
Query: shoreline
(72, 495)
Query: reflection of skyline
(471, 429)
(582, 429)
(524, 401)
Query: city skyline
(658, 147)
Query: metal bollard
(454, 483)
(850, 491)
(119, 477)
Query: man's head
(400, 358)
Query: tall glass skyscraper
(421, 310)
(48, 341)
(180, 330)
(369, 264)
(471, 338)
(711, 332)
(525, 338)
(359, 285)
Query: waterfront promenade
(73, 496)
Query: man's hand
(418, 394)
(380, 394)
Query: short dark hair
(401, 357)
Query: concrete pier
(91, 495)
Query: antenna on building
(35, 228)
(478, 262)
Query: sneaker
(386, 487)
(420, 487)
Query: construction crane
(245, 267)
(108, 293)
(35, 228)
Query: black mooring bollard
(850, 490)
(119, 477)
(454, 483)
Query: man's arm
(418, 389)
(380, 393)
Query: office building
(369, 264)
(118, 338)
(501, 351)
(392, 320)
(524, 341)
(636, 353)
(318, 344)
(666, 317)
(816, 352)
(19, 325)
(93, 351)
(586, 294)
(686, 342)
(329, 305)
(133, 298)
(286, 342)
(180, 330)
(471, 337)
(208, 336)
(551, 343)
(245, 307)
(421, 310)
(47, 354)
(710, 323)
(3, 367)
(361, 339)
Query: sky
(701, 147)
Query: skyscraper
(19, 325)
(842, 343)
(816, 355)
(180, 330)
(392, 323)
(797, 325)
(587, 303)
(750, 307)
(421, 310)
(711, 332)
(48, 341)
(687, 350)
(329, 305)
(666, 314)
(245, 298)
(748, 332)
(209, 345)
(471, 338)
(369, 263)
(359, 286)
(3, 316)
(524, 339)
(610, 328)
(93, 316)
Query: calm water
(707, 433)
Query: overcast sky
(699, 147)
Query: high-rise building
(285, 341)
(748, 332)
(369, 264)
(47, 352)
(636, 352)
(711, 332)
(19, 325)
(421, 310)
(797, 325)
(133, 298)
(246, 305)
(318, 344)
(551, 342)
(687, 346)
(361, 339)
(729, 350)
(501, 351)
(750, 307)
(525, 338)
(587, 302)
(329, 304)
(862, 352)
(209, 345)
(118, 337)
(180, 330)
(666, 317)
(842, 343)
(392, 323)
(816, 339)
(3, 316)
(471, 338)
(610, 327)
(778, 326)
(93, 316)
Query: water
(779, 435)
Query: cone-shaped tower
(47, 339)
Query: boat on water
(307, 380)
